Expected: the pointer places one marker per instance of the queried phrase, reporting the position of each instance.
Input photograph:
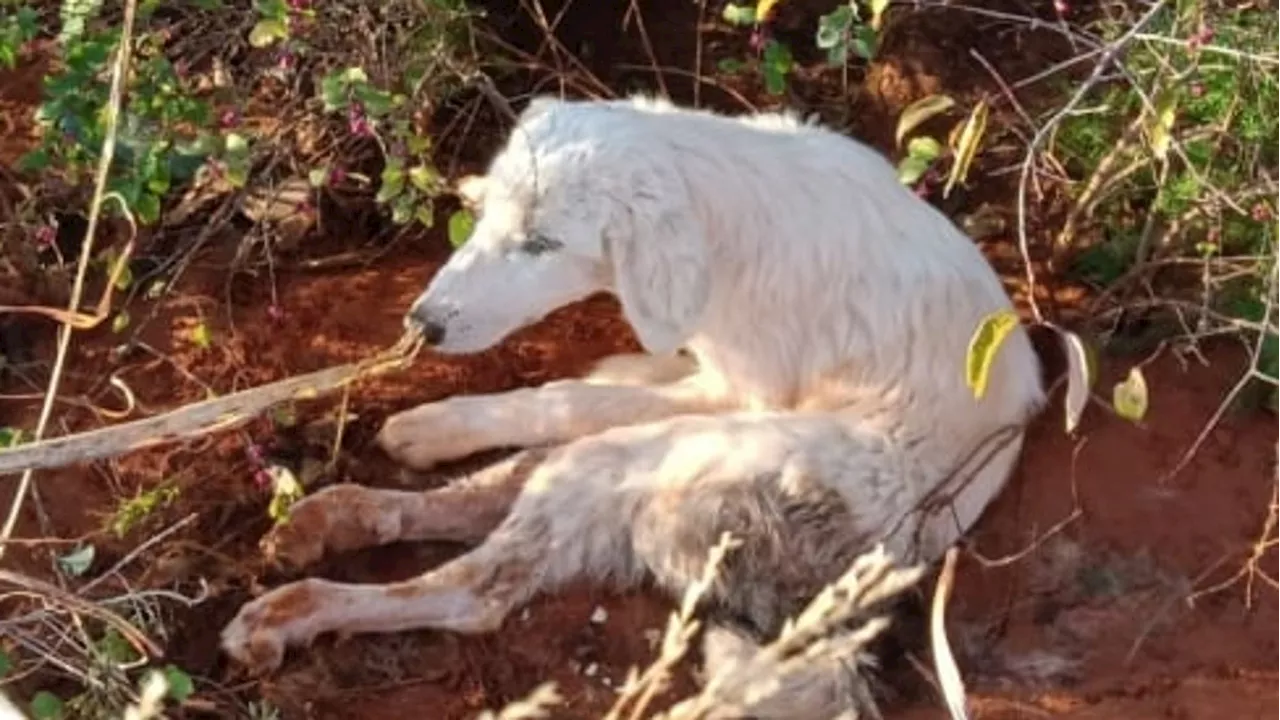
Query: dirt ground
(1090, 622)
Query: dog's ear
(661, 275)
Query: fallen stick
(202, 418)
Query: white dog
(820, 408)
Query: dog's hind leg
(804, 494)
(624, 390)
(349, 516)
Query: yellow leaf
(966, 146)
(920, 111)
(201, 336)
(1130, 397)
(1159, 126)
(763, 8)
(983, 346)
(877, 13)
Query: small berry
(1061, 7)
(45, 235)
(275, 312)
(286, 60)
(1260, 212)
(337, 175)
(1197, 90)
(262, 479)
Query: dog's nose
(431, 328)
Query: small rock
(599, 616)
(525, 615)
(591, 670)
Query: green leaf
(78, 561)
(920, 111)
(46, 706)
(114, 648)
(425, 214)
(864, 42)
(735, 14)
(147, 208)
(333, 91)
(777, 64)
(267, 32)
(731, 66)
(921, 154)
(833, 28)
(5, 664)
(1130, 396)
(181, 686)
(10, 437)
(913, 167)
(35, 160)
(235, 145)
(424, 178)
(983, 347)
(392, 180)
(402, 208)
(237, 174)
(461, 223)
(354, 76)
(377, 103)
(121, 322)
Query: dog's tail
(816, 669)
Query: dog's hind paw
(264, 628)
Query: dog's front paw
(264, 628)
(341, 517)
(431, 434)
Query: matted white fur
(825, 311)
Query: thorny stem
(119, 72)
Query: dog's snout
(427, 323)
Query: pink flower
(336, 175)
(46, 235)
(357, 121)
(1260, 212)
(1061, 7)
(275, 312)
(229, 118)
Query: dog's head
(584, 197)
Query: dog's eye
(539, 244)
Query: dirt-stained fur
(806, 320)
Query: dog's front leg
(350, 517)
(554, 413)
